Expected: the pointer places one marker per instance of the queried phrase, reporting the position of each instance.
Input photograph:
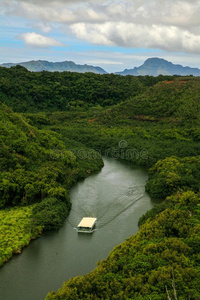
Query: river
(116, 197)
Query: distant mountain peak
(158, 66)
(44, 65)
(156, 61)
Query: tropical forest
(56, 128)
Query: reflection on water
(116, 197)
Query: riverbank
(161, 259)
(116, 196)
(20, 225)
(37, 172)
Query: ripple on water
(116, 196)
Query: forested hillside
(25, 91)
(152, 122)
(22, 181)
(37, 172)
(161, 122)
(177, 99)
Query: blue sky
(111, 34)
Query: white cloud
(60, 13)
(170, 12)
(56, 2)
(168, 38)
(96, 34)
(37, 40)
(171, 25)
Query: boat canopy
(87, 222)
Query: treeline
(25, 91)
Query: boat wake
(111, 211)
(108, 218)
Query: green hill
(28, 170)
(178, 98)
(35, 164)
(26, 91)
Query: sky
(113, 34)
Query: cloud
(171, 25)
(56, 2)
(170, 12)
(38, 41)
(168, 38)
(42, 27)
(59, 13)
(96, 34)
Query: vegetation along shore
(55, 128)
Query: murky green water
(116, 197)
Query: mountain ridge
(158, 66)
(153, 66)
(44, 65)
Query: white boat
(87, 225)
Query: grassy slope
(16, 230)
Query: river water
(116, 197)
